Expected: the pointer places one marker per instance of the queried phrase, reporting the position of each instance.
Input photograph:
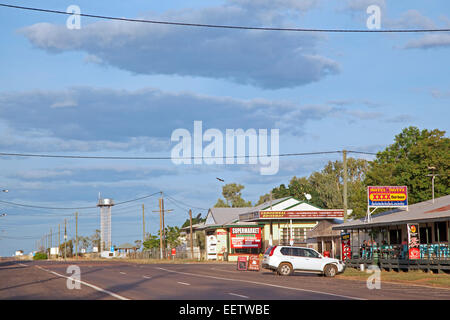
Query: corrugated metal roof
(227, 215)
(419, 212)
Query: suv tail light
(271, 251)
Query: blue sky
(120, 89)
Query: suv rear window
(286, 251)
(268, 250)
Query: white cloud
(269, 60)
(429, 41)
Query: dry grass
(416, 277)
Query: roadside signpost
(253, 264)
(242, 263)
(346, 246)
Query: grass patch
(416, 277)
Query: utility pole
(76, 233)
(59, 238)
(164, 227)
(143, 224)
(160, 229)
(344, 155)
(65, 239)
(190, 232)
(162, 233)
(51, 239)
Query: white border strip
(262, 284)
(87, 284)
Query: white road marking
(262, 284)
(23, 265)
(186, 284)
(147, 277)
(122, 272)
(87, 284)
(238, 295)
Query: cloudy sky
(117, 88)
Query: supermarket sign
(301, 214)
(387, 197)
(244, 237)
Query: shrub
(40, 256)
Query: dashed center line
(186, 284)
(238, 295)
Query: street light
(433, 175)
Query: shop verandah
(386, 242)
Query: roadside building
(231, 232)
(417, 238)
(324, 239)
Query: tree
(326, 187)
(151, 241)
(233, 196)
(66, 248)
(95, 239)
(138, 244)
(195, 220)
(172, 237)
(406, 162)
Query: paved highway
(120, 280)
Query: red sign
(301, 214)
(413, 241)
(242, 263)
(245, 237)
(346, 246)
(174, 251)
(387, 196)
(253, 263)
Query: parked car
(285, 260)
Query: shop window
(425, 235)
(440, 231)
(298, 235)
(247, 251)
(395, 236)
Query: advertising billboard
(387, 196)
(244, 237)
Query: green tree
(151, 241)
(195, 220)
(172, 237)
(233, 196)
(406, 162)
(66, 248)
(326, 186)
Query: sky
(114, 88)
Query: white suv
(285, 260)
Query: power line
(34, 155)
(73, 208)
(223, 26)
(183, 203)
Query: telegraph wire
(175, 158)
(218, 26)
(73, 208)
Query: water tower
(105, 223)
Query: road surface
(47, 280)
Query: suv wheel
(330, 270)
(285, 269)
